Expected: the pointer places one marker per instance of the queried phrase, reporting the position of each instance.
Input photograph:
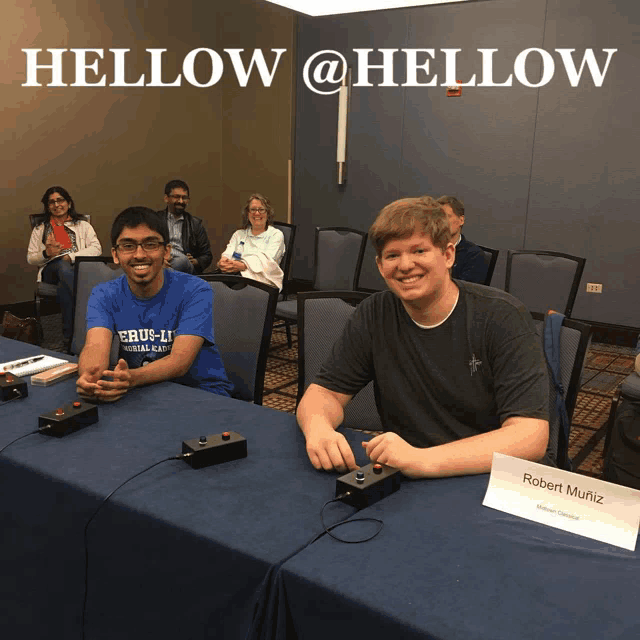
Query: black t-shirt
(484, 364)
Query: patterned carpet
(281, 379)
(606, 366)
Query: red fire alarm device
(454, 91)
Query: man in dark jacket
(470, 264)
(190, 249)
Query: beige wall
(114, 147)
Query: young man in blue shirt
(163, 318)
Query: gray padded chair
(575, 339)
(289, 232)
(91, 271)
(44, 289)
(322, 316)
(338, 260)
(544, 280)
(242, 321)
(490, 259)
(628, 389)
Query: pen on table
(17, 365)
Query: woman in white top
(54, 245)
(256, 249)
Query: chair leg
(36, 305)
(287, 326)
(609, 424)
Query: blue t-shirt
(147, 327)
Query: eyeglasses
(185, 198)
(53, 203)
(261, 210)
(149, 246)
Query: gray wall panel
(375, 132)
(476, 147)
(553, 168)
(584, 187)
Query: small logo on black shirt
(474, 363)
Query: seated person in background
(469, 264)
(458, 367)
(190, 249)
(54, 245)
(162, 317)
(256, 249)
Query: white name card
(592, 508)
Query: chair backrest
(544, 280)
(490, 259)
(289, 232)
(575, 339)
(243, 311)
(338, 258)
(90, 271)
(38, 218)
(322, 316)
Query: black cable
(345, 521)
(12, 399)
(95, 513)
(262, 602)
(264, 599)
(38, 430)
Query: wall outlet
(593, 287)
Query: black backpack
(622, 456)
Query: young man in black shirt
(458, 367)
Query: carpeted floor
(606, 366)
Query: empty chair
(370, 280)
(575, 338)
(90, 271)
(242, 321)
(289, 232)
(317, 336)
(490, 259)
(338, 260)
(620, 446)
(544, 280)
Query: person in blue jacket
(470, 264)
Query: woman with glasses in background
(54, 245)
(256, 249)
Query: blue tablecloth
(214, 553)
(445, 567)
(176, 552)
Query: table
(191, 554)
(176, 552)
(445, 567)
